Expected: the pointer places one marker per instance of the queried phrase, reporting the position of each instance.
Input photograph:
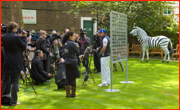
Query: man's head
(53, 32)
(12, 26)
(43, 33)
(77, 36)
(102, 32)
(66, 30)
(39, 53)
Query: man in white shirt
(105, 57)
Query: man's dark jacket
(13, 47)
(41, 45)
(37, 71)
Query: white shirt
(105, 42)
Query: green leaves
(146, 14)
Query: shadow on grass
(156, 86)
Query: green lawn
(156, 86)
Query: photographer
(96, 46)
(57, 44)
(41, 45)
(85, 42)
(37, 72)
(13, 47)
(71, 50)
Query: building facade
(51, 16)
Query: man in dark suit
(37, 72)
(13, 47)
(41, 45)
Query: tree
(145, 14)
(16, 12)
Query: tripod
(87, 68)
(52, 58)
(27, 66)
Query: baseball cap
(102, 30)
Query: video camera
(55, 36)
(95, 37)
(3, 28)
(25, 33)
(81, 34)
(48, 36)
(52, 37)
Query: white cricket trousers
(105, 70)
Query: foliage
(156, 86)
(146, 14)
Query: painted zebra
(152, 42)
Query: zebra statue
(152, 42)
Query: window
(167, 11)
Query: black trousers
(97, 62)
(15, 81)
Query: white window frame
(89, 19)
(167, 12)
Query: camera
(81, 34)
(48, 36)
(25, 33)
(19, 31)
(28, 33)
(55, 36)
(95, 37)
(3, 28)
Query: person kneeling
(60, 77)
(37, 71)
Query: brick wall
(50, 16)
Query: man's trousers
(105, 70)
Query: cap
(102, 30)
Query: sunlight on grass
(156, 86)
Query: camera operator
(96, 46)
(85, 42)
(37, 72)
(71, 50)
(13, 47)
(105, 57)
(41, 45)
(57, 45)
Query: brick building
(50, 16)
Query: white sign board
(29, 16)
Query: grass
(156, 86)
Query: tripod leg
(30, 83)
(82, 83)
(92, 77)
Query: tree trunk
(16, 12)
